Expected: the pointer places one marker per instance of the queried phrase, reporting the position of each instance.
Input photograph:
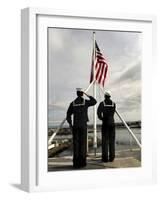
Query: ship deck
(124, 159)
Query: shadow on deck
(124, 159)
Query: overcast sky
(69, 62)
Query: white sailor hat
(79, 89)
(107, 93)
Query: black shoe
(104, 160)
(83, 165)
(76, 166)
(111, 159)
(79, 166)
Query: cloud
(70, 62)
(133, 73)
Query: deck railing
(118, 114)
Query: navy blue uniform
(79, 109)
(105, 112)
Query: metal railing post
(129, 130)
(57, 130)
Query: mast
(94, 95)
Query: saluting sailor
(79, 109)
(105, 112)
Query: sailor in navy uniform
(79, 109)
(105, 112)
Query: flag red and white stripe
(100, 66)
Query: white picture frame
(34, 176)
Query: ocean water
(123, 140)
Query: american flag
(100, 66)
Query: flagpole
(94, 95)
